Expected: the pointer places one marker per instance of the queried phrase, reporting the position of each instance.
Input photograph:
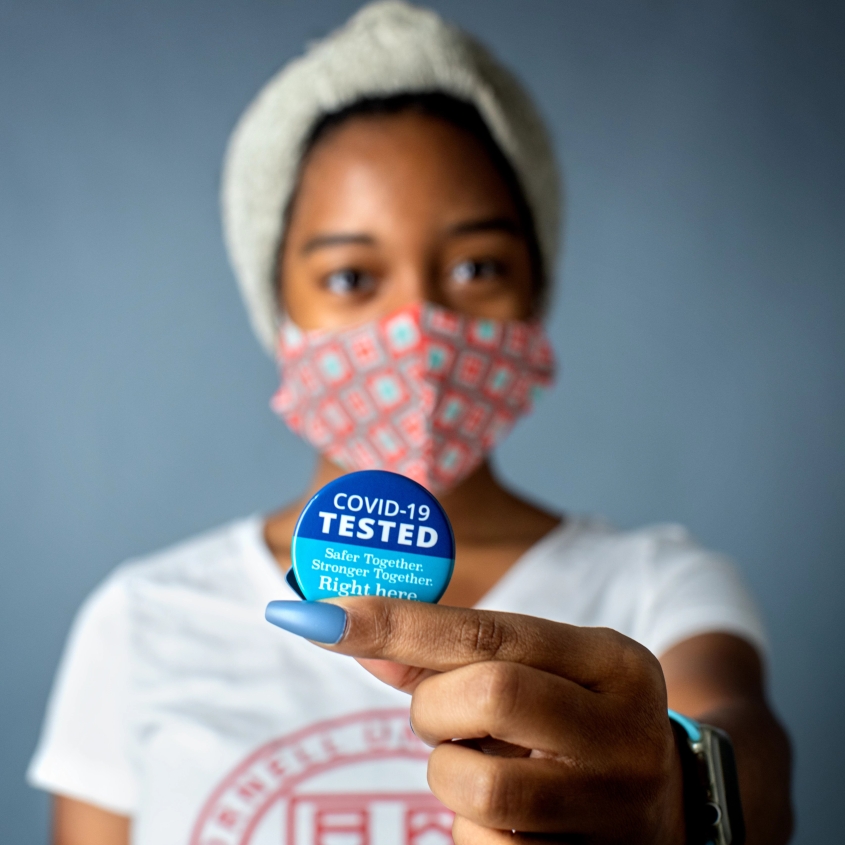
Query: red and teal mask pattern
(425, 391)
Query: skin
(565, 728)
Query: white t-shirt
(176, 703)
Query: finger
(443, 638)
(503, 793)
(585, 798)
(466, 832)
(404, 678)
(511, 702)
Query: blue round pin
(372, 533)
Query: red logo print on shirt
(404, 819)
(311, 788)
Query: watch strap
(712, 806)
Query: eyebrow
(488, 224)
(320, 241)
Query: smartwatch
(712, 806)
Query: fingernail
(314, 620)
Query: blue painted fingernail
(314, 620)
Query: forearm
(78, 823)
(718, 679)
(763, 761)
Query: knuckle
(482, 634)
(629, 661)
(489, 795)
(617, 647)
(499, 690)
(382, 622)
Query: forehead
(404, 163)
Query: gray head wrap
(388, 47)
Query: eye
(472, 271)
(348, 281)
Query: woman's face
(398, 209)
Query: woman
(397, 173)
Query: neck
(483, 513)
(478, 507)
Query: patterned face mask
(425, 392)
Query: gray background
(699, 323)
